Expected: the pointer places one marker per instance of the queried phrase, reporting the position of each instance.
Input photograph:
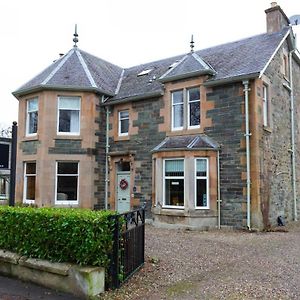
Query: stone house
(204, 139)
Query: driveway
(217, 265)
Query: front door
(123, 192)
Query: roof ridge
(174, 67)
(58, 67)
(203, 62)
(120, 82)
(204, 49)
(86, 69)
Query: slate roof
(77, 70)
(80, 70)
(243, 57)
(187, 142)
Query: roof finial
(192, 44)
(75, 40)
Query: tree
(5, 131)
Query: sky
(126, 33)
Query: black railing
(128, 253)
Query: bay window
(67, 174)
(68, 115)
(201, 183)
(174, 182)
(29, 182)
(32, 116)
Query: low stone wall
(81, 281)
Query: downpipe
(106, 154)
(219, 190)
(247, 136)
(293, 135)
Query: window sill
(29, 201)
(122, 138)
(173, 207)
(66, 203)
(30, 138)
(267, 129)
(68, 137)
(202, 208)
(185, 131)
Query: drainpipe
(247, 136)
(106, 153)
(293, 135)
(219, 190)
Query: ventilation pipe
(106, 153)
(247, 136)
(293, 135)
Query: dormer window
(32, 116)
(186, 109)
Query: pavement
(13, 289)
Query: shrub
(58, 234)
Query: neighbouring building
(207, 138)
(5, 150)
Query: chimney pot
(273, 4)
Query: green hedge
(60, 235)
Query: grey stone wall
(228, 120)
(29, 147)
(100, 158)
(296, 81)
(66, 146)
(276, 157)
(147, 138)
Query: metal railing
(128, 253)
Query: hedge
(58, 234)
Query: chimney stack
(276, 18)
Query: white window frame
(58, 113)
(6, 189)
(173, 177)
(28, 116)
(188, 108)
(207, 183)
(28, 201)
(266, 106)
(122, 119)
(172, 110)
(66, 202)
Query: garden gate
(128, 253)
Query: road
(13, 289)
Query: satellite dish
(295, 20)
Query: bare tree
(5, 131)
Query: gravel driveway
(217, 265)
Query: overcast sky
(126, 33)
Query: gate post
(13, 158)
(114, 264)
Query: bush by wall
(61, 235)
